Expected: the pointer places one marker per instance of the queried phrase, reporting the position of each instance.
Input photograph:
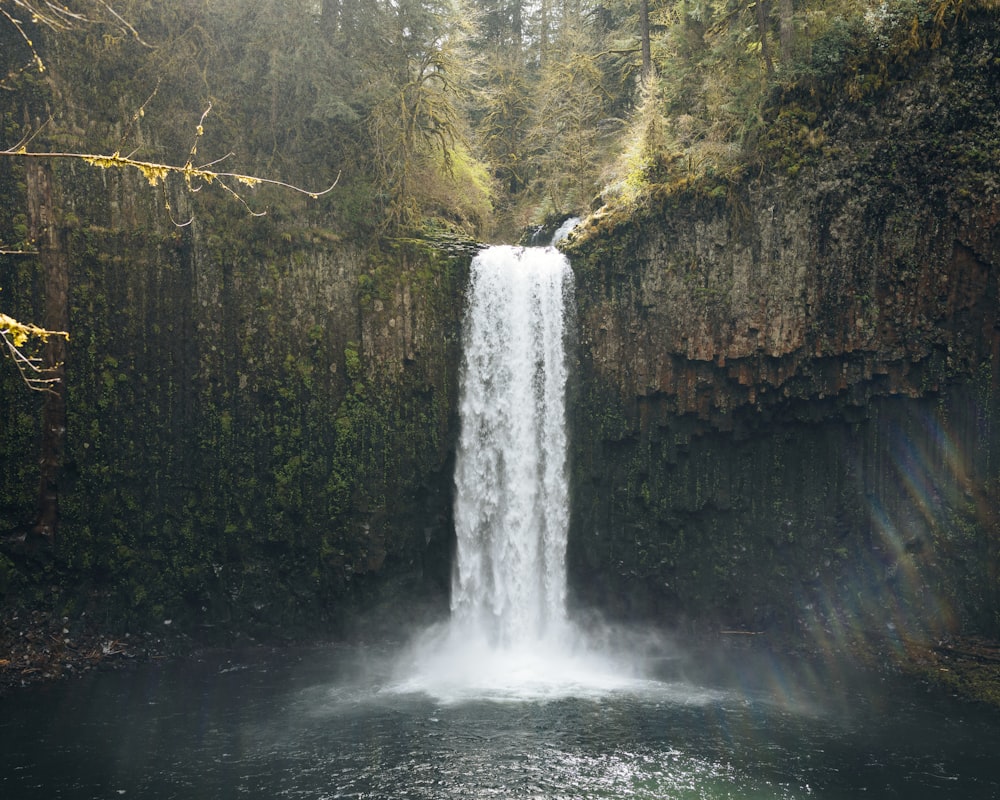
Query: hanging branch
(156, 173)
(36, 59)
(57, 18)
(15, 335)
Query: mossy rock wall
(787, 402)
(870, 523)
(259, 418)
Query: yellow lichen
(19, 332)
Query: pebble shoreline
(36, 647)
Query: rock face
(792, 380)
(785, 405)
(259, 419)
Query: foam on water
(454, 664)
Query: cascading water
(509, 635)
(511, 507)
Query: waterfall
(511, 505)
(509, 636)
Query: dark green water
(340, 722)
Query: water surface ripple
(339, 722)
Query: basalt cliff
(787, 401)
(784, 399)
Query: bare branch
(140, 112)
(123, 23)
(156, 173)
(36, 59)
(14, 335)
(57, 17)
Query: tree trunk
(786, 16)
(54, 263)
(543, 32)
(329, 16)
(765, 50)
(647, 55)
(516, 23)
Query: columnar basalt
(791, 379)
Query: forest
(483, 117)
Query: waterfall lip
(564, 230)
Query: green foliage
(647, 153)
(416, 124)
(748, 83)
(567, 139)
(445, 110)
(297, 92)
(503, 104)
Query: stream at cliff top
(508, 698)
